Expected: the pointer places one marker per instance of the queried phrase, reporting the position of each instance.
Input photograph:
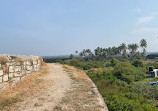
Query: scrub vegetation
(121, 75)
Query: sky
(60, 27)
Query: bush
(128, 102)
(114, 61)
(121, 103)
(126, 72)
(137, 63)
(146, 90)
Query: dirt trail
(66, 89)
(47, 99)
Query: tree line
(129, 51)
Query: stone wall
(15, 67)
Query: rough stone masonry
(15, 67)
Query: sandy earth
(47, 99)
(62, 93)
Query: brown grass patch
(78, 99)
(3, 60)
(24, 88)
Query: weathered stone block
(1, 72)
(35, 62)
(11, 69)
(15, 80)
(5, 77)
(28, 72)
(16, 74)
(29, 68)
(39, 61)
(29, 63)
(23, 72)
(1, 79)
(17, 69)
(10, 75)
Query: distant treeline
(129, 51)
(54, 59)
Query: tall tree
(143, 45)
(76, 52)
(123, 50)
(133, 49)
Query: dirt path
(66, 89)
(46, 100)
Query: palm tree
(123, 51)
(71, 56)
(133, 49)
(76, 52)
(143, 45)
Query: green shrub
(146, 90)
(126, 72)
(137, 63)
(114, 61)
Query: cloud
(145, 20)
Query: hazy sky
(59, 27)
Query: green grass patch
(8, 102)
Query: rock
(5, 77)
(1, 79)
(92, 92)
(11, 69)
(1, 72)
(29, 68)
(16, 74)
(37, 104)
(23, 72)
(29, 63)
(17, 69)
(59, 107)
(10, 75)
(28, 72)
(34, 62)
(15, 80)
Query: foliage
(137, 63)
(146, 90)
(126, 72)
(114, 61)
(82, 64)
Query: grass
(7, 102)
(78, 99)
(3, 60)
(24, 88)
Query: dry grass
(3, 60)
(150, 61)
(24, 88)
(79, 99)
